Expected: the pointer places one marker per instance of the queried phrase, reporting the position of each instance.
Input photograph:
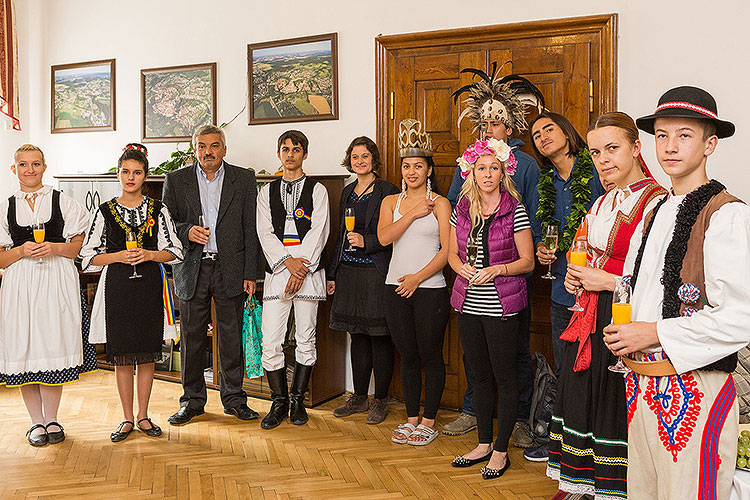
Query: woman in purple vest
(490, 292)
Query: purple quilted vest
(498, 243)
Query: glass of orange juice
(349, 222)
(578, 257)
(131, 242)
(622, 310)
(38, 230)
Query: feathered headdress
(503, 99)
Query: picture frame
(175, 100)
(83, 97)
(293, 80)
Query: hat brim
(646, 123)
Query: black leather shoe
(153, 431)
(279, 393)
(119, 435)
(55, 437)
(488, 473)
(184, 415)
(461, 461)
(39, 439)
(243, 412)
(297, 412)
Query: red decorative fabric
(580, 328)
(8, 63)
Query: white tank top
(415, 249)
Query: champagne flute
(550, 243)
(131, 241)
(622, 310)
(203, 222)
(578, 257)
(471, 253)
(38, 228)
(349, 222)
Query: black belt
(210, 255)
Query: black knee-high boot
(297, 412)
(280, 396)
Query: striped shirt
(482, 300)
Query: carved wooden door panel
(571, 61)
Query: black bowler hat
(687, 102)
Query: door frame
(605, 25)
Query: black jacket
(380, 255)
(236, 237)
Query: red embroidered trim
(687, 105)
(676, 406)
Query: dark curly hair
(371, 147)
(134, 151)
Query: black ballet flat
(39, 440)
(461, 461)
(154, 431)
(488, 473)
(119, 435)
(56, 436)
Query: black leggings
(417, 326)
(490, 347)
(372, 353)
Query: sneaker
(354, 404)
(537, 453)
(463, 424)
(378, 411)
(522, 435)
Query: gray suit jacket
(236, 237)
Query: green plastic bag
(252, 337)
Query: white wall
(661, 45)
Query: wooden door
(570, 60)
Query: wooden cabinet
(329, 375)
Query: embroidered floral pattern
(631, 394)
(675, 401)
(688, 293)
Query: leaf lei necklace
(580, 192)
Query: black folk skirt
(359, 302)
(588, 435)
(134, 310)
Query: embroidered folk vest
(53, 228)
(303, 213)
(692, 267)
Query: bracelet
(506, 269)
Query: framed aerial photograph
(176, 100)
(293, 80)
(83, 97)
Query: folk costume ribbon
(166, 291)
(580, 192)
(580, 328)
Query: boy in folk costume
(690, 272)
(293, 226)
(497, 106)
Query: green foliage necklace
(580, 192)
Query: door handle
(89, 201)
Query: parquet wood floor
(219, 457)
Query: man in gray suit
(221, 262)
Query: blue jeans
(524, 372)
(559, 319)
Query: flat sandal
(119, 435)
(154, 431)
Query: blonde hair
(471, 191)
(29, 147)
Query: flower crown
(492, 147)
(136, 147)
